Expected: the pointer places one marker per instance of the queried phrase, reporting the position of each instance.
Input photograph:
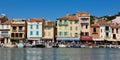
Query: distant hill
(107, 17)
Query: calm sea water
(59, 54)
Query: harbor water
(59, 54)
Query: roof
(81, 13)
(63, 18)
(36, 20)
(116, 20)
(7, 22)
(70, 17)
(114, 25)
(73, 17)
(49, 23)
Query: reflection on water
(58, 54)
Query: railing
(20, 30)
(63, 23)
(14, 30)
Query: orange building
(95, 31)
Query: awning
(98, 39)
(111, 40)
(34, 38)
(68, 39)
(1, 39)
(86, 38)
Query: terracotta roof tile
(63, 18)
(7, 22)
(81, 13)
(73, 17)
(36, 20)
(49, 23)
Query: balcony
(20, 30)
(14, 30)
(63, 24)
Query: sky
(52, 9)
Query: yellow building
(68, 28)
(18, 30)
(71, 27)
(49, 31)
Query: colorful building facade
(18, 30)
(35, 29)
(49, 31)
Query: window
(76, 34)
(60, 33)
(31, 32)
(86, 26)
(86, 34)
(76, 28)
(106, 28)
(31, 26)
(65, 33)
(116, 30)
(65, 21)
(20, 27)
(82, 33)
(101, 30)
(37, 33)
(114, 36)
(107, 34)
(112, 30)
(94, 30)
(76, 22)
(60, 21)
(7, 26)
(84, 18)
(70, 28)
(14, 28)
(37, 26)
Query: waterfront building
(18, 30)
(49, 31)
(105, 30)
(35, 29)
(68, 28)
(116, 20)
(4, 29)
(115, 32)
(84, 26)
(95, 32)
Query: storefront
(99, 41)
(1, 40)
(86, 40)
(68, 39)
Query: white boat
(20, 45)
(62, 45)
(48, 45)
